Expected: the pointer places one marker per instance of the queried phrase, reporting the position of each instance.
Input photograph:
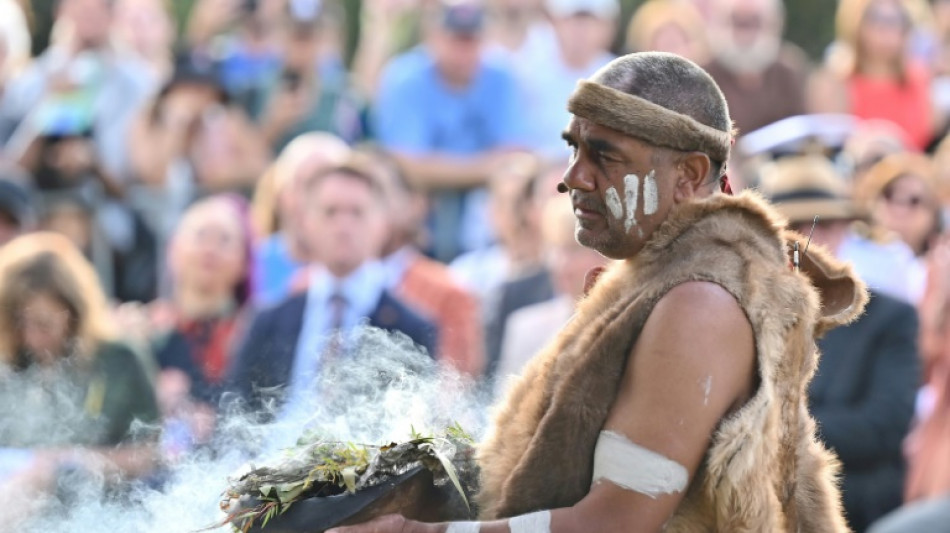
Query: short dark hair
(356, 168)
(672, 82)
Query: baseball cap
(604, 9)
(462, 16)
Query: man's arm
(693, 364)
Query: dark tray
(412, 494)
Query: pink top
(905, 104)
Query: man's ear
(692, 173)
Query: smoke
(382, 393)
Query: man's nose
(579, 176)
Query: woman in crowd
(668, 26)
(868, 72)
(208, 263)
(899, 193)
(86, 398)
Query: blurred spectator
(940, 64)
(512, 213)
(387, 28)
(287, 345)
(278, 214)
(146, 29)
(762, 77)
(868, 72)
(872, 141)
(243, 37)
(584, 30)
(673, 26)
(191, 141)
(14, 42)
(900, 194)
(863, 392)
(194, 330)
(447, 113)
(86, 395)
(17, 211)
(299, 98)
(521, 31)
(530, 328)
(80, 85)
(423, 283)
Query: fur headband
(647, 121)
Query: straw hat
(894, 166)
(805, 186)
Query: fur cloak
(764, 470)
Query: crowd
(195, 214)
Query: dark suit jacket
(265, 358)
(863, 398)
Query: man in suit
(288, 345)
(863, 392)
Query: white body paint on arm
(539, 522)
(636, 468)
(631, 185)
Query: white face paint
(614, 204)
(631, 185)
(707, 388)
(539, 522)
(636, 468)
(650, 197)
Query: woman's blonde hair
(49, 263)
(654, 15)
(846, 57)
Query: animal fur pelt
(764, 469)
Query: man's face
(619, 191)
(584, 33)
(457, 55)
(90, 19)
(343, 222)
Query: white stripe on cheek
(631, 186)
(636, 468)
(539, 522)
(614, 204)
(650, 196)
(464, 527)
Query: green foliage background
(810, 22)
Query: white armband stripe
(464, 527)
(539, 522)
(636, 468)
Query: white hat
(605, 9)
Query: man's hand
(393, 523)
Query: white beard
(751, 59)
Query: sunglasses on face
(913, 201)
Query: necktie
(337, 310)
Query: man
(17, 213)
(423, 283)
(78, 85)
(298, 99)
(447, 112)
(287, 345)
(863, 393)
(762, 77)
(674, 399)
(584, 31)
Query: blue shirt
(361, 291)
(274, 270)
(418, 113)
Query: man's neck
(579, 60)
